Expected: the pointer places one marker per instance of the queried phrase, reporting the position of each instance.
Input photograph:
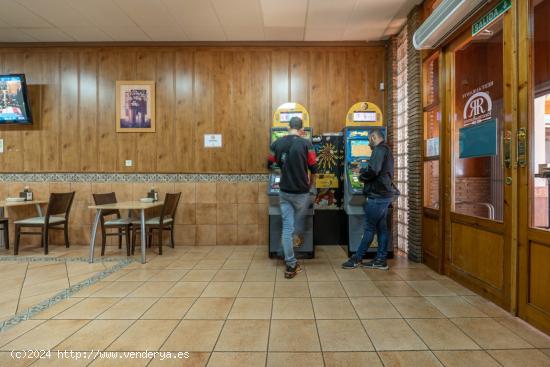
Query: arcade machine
(279, 128)
(361, 119)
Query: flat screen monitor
(360, 149)
(286, 116)
(14, 105)
(364, 116)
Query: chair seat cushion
(40, 220)
(152, 221)
(119, 221)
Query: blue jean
(376, 212)
(293, 212)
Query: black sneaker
(350, 264)
(292, 271)
(376, 264)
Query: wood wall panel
(539, 276)
(227, 90)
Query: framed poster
(135, 106)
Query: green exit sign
(491, 16)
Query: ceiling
(200, 20)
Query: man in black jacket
(378, 190)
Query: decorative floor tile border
(27, 314)
(130, 177)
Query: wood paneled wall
(227, 90)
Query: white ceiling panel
(48, 35)
(284, 13)
(284, 33)
(244, 33)
(165, 33)
(87, 34)
(329, 13)
(14, 35)
(102, 12)
(57, 12)
(324, 33)
(192, 13)
(206, 34)
(132, 33)
(17, 15)
(147, 12)
(239, 13)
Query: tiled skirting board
(215, 209)
(27, 314)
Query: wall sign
(212, 140)
(432, 147)
(479, 106)
(491, 16)
(478, 140)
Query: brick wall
(391, 112)
(472, 190)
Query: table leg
(93, 234)
(143, 237)
(38, 209)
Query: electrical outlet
(129, 163)
(381, 86)
(1, 145)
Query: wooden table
(125, 205)
(10, 204)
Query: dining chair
(6, 229)
(57, 218)
(164, 222)
(123, 225)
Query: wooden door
(479, 199)
(534, 112)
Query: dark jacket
(377, 177)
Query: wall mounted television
(14, 104)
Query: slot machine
(361, 119)
(279, 128)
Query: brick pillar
(415, 141)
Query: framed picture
(135, 106)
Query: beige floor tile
(57, 360)
(221, 289)
(352, 359)
(169, 308)
(455, 287)
(236, 265)
(88, 291)
(194, 359)
(194, 336)
(293, 336)
(333, 308)
(391, 288)
(374, 308)
(487, 307)
(441, 334)
(489, 334)
(343, 335)
(186, 289)
(18, 330)
(320, 274)
(96, 335)
(524, 358)
(210, 308)
(430, 288)
(457, 358)
(109, 362)
(390, 275)
(88, 308)
(351, 274)
(260, 275)
(243, 335)
(281, 359)
(533, 336)
(224, 275)
(6, 359)
(169, 275)
(241, 359)
(546, 351)
(393, 334)
(409, 359)
(152, 289)
(292, 308)
(412, 274)
(291, 290)
(198, 275)
(128, 308)
(57, 308)
(138, 275)
(144, 335)
(117, 289)
(455, 306)
(415, 307)
(210, 264)
(326, 289)
(46, 335)
(251, 308)
(361, 288)
(257, 289)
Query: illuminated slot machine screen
(365, 116)
(277, 134)
(286, 116)
(360, 149)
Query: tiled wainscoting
(213, 210)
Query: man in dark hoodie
(378, 190)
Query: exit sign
(491, 16)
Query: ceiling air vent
(445, 19)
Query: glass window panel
(431, 184)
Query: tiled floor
(232, 306)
